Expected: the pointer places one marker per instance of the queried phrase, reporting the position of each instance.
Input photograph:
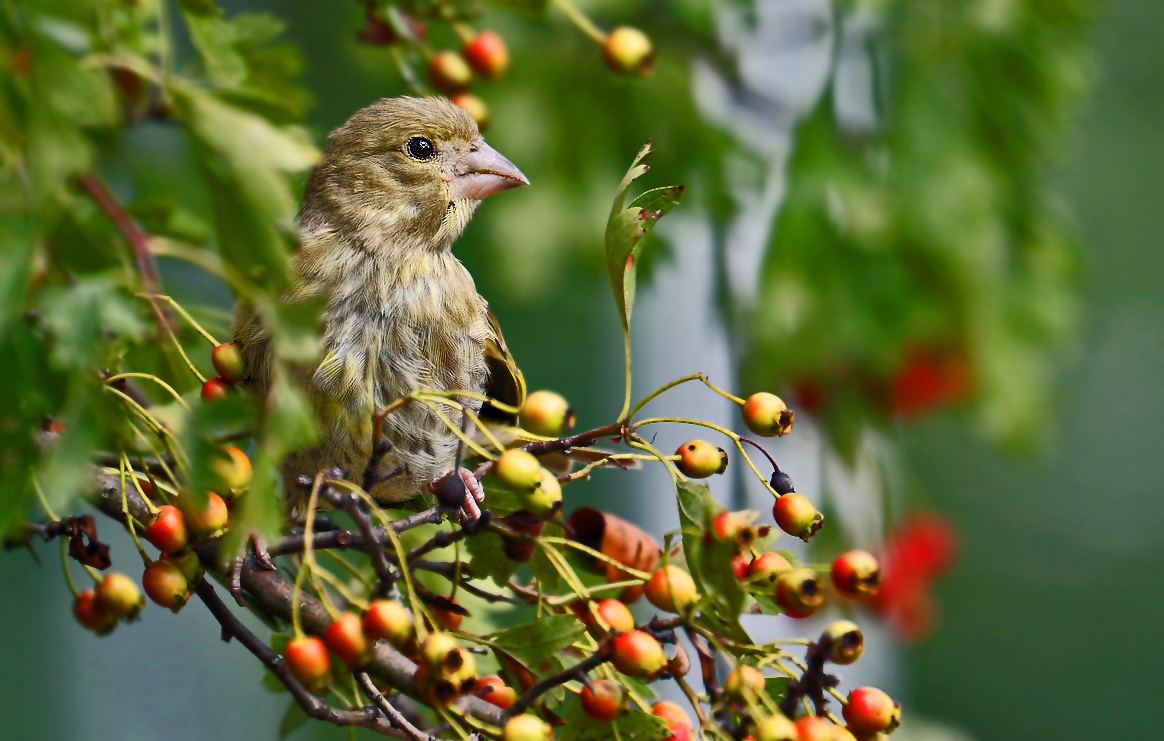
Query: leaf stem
(580, 20)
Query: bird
(394, 189)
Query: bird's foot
(461, 491)
(256, 548)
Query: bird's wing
(505, 384)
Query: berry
(387, 619)
(604, 702)
(843, 642)
(700, 459)
(547, 414)
(168, 531)
(436, 647)
(869, 710)
(214, 389)
(526, 728)
(206, 521)
(307, 660)
(726, 525)
(545, 497)
(119, 596)
(767, 415)
(233, 470)
(616, 615)
(796, 516)
(517, 470)
(671, 589)
(345, 637)
(675, 718)
(498, 692)
(90, 615)
(815, 728)
(781, 483)
(767, 567)
(228, 362)
(775, 728)
(856, 574)
(744, 681)
(740, 565)
(164, 584)
(800, 592)
(447, 618)
(487, 54)
(187, 563)
(476, 108)
(628, 51)
(449, 72)
(638, 654)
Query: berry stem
(128, 467)
(44, 500)
(580, 20)
(721, 430)
(65, 567)
(150, 377)
(297, 590)
(130, 522)
(186, 315)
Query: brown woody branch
(560, 445)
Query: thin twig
(595, 660)
(395, 717)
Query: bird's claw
(474, 495)
(256, 548)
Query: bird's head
(405, 172)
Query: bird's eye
(420, 148)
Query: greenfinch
(394, 189)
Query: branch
(372, 544)
(395, 717)
(560, 445)
(578, 671)
(341, 539)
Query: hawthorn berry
(545, 497)
(775, 728)
(628, 51)
(90, 614)
(843, 642)
(487, 54)
(815, 728)
(856, 574)
(700, 459)
(475, 106)
(526, 728)
(796, 516)
(208, 520)
(345, 637)
(436, 647)
(727, 526)
(616, 615)
(517, 470)
(744, 681)
(799, 592)
(767, 415)
(389, 620)
(547, 414)
(604, 702)
(637, 654)
(233, 470)
(187, 563)
(869, 710)
(449, 72)
(740, 564)
(676, 719)
(119, 596)
(672, 589)
(168, 531)
(228, 362)
(307, 661)
(447, 618)
(767, 567)
(494, 690)
(214, 389)
(165, 585)
(781, 483)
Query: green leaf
(635, 725)
(273, 683)
(529, 7)
(540, 565)
(293, 719)
(537, 641)
(203, 423)
(487, 559)
(694, 502)
(626, 227)
(776, 687)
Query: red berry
(214, 389)
(628, 51)
(207, 520)
(447, 618)
(740, 565)
(767, 567)
(870, 710)
(498, 692)
(638, 654)
(700, 459)
(449, 72)
(743, 682)
(767, 415)
(165, 585)
(671, 589)
(476, 108)
(345, 637)
(526, 728)
(307, 661)
(168, 531)
(726, 525)
(815, 728)
(119, 596)
(796, 516)
(90, 615)
(800, 592)
(676, 719)
(856, 574)
(547, 414)
(487, 54)
(843, 642)
(228, 362)
(187, 563)
(616, 615)
(604, 702)
(387, 619)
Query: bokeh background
(1047, 621)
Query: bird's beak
(482, 172)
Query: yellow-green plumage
(376, 229)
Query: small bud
(678, 665)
